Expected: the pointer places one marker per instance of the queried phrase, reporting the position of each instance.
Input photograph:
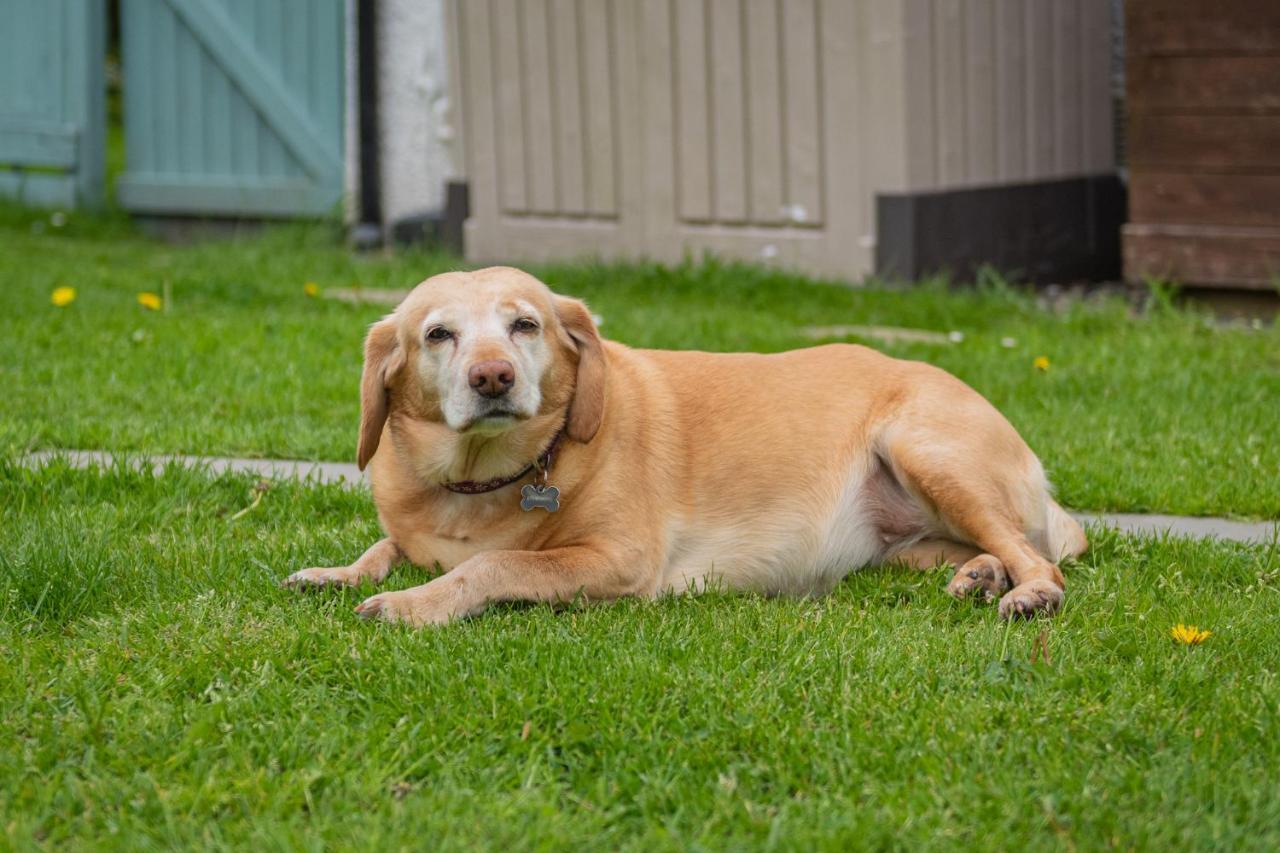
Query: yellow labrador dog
(535, 461)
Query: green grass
(1159, 412)
(157, 689)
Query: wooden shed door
(657, 128)
(51, 101)
(233, 107)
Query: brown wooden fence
(1203, 80)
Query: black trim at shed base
(438, 228)
(1043, 232)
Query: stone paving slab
(275, 469)
(1184, 525)
(347, 474)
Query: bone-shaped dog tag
(540, 497)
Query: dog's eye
(436, 334)
(524, 324)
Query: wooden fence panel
(51, 101)
(233, 108)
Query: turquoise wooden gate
(51, 101)
(233, 107)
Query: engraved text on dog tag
(540, 497)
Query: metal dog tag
(539, 497)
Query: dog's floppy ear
(382, 358)
(587, 408)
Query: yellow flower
(63, 296)
(311, 289)
(149, 301)
(1189, 635)
(1041, 363)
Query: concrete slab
(348, 475)
(272, 469)
(1182, 525)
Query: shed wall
(761, 129)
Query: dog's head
(482, 353)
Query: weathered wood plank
(1226, 143)
(235, 196)
(949, 103)
(693, 151)
(24, 142)
(1161, 27)
(598, 77)
(1204, 255)
(1190, 198)
(910, 81)
(1040, 96)
(980, 91)
(1203, 84)
(509, 106)
(539, 120)
(566, 94)
(728, 124)
(480, 113)
(848, 226)
(764, 112)
(1011, 91)
(800, 86)
(39, 189)
(1067, 128)
(1097, 112)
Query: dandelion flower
(1041, 363)
(1189, 635)
(311, 289)
(63, 296)
(149, 300)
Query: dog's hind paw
(1032, 597)
(984, 575)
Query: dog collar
(536, 496)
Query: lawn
(157, 689)
(1162, 412)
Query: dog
(511, 445)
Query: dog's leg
(974, 571)
(932, 553)
(985, 485)
(984, 575)
(373, 565)
(556, 575)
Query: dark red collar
(473, 487)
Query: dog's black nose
(492, 378)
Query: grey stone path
(278, 469)
(348, 474)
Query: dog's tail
(1064, 534)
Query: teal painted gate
(51, 101)
(233, 107)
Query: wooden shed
(835, 137)
(1203, 91)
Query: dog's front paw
(414, 607)
(1030, 598)
(313, 578)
